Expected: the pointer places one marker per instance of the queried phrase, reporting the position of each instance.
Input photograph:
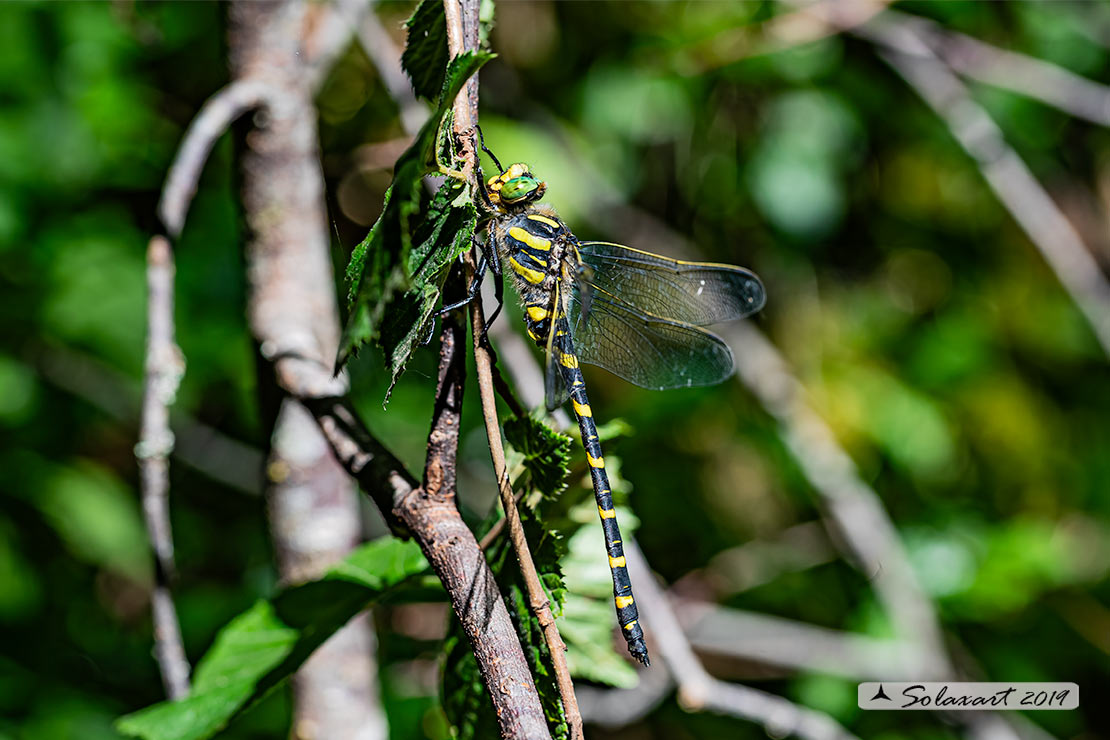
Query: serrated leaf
(546, 453)
(445, 233)
(425, 57)
(381, 267)
(465, 701)
(261, 648)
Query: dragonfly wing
(555, 388)
(646, 350)
(698, 293)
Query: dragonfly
(636, 314)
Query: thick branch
(164, 367)
(311, 502)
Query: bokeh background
(926, 329)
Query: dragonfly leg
(498, 289)
(475, 287)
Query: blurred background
(927, 329)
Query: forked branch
(462, 36)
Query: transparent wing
(649, 351)
(555, 388)
(698, 293)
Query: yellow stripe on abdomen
(623, 601)
(535, 242)
(582, 409)
(533, 276)
(607, 513)
(568, 360)
(617, 562)
(595, 462)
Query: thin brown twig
(462, 35)
(163, 370)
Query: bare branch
(783, 31)
(311, 502)
(697, 690)
(796, 646)
(1005, 172)
(386, 58)
(204, 448)
(1020, 73)
(163, 370)
(853, 507)
(215, 117)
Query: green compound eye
(520, 188)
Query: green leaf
(265, 645)
(381, 267)
(425, 57)
(546, 453)
(445, 234)
(465, 701)
(588, 616)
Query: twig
(854, 509)
(697, 690)
(1020, 73)
(615, 708)
(204, 448)
(386, 58)
(215, 117)
(785, 643)
(1006, 173)
(462, 35)
(163, 370)
(783, 31)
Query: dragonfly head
(515, 186)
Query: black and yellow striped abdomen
(534, 245)
(627, 614)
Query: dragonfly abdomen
(627, 615)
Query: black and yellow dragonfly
(638, 315)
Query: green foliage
(923, 326)
(395, 272)
(262, 647)
(546, 454)
(425, 55)
(445, 233)
(588, 617)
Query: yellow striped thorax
(515, 186)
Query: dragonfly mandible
(637, 314)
